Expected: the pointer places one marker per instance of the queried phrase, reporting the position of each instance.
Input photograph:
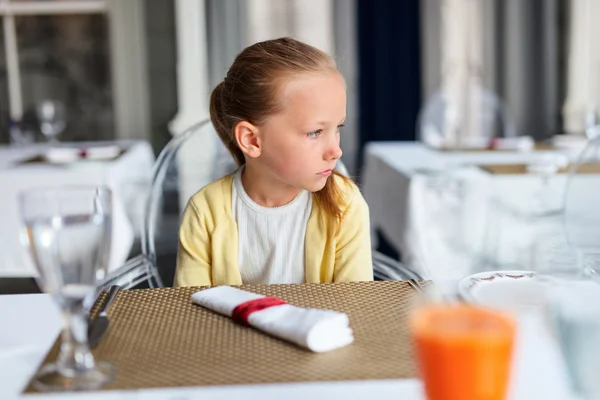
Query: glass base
(49, 379)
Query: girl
(285, 216)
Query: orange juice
(463, 352)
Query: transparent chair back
(385, 268)
(188, 162)
(440, 226)
(441, 125)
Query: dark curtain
(389, 79)
(389, 70)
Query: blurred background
(116, 65)
(454, 79)
(473, 131)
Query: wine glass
(546, 200)
(68, 233)
(51, 116)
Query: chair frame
(144, 266)
(385, 268)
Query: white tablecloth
(538, 372)
(127, 176)
(395, 184)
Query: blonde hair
(249, 93)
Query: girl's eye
(315, 134)
(339, 127)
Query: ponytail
(331, 197)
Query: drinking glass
(581, 205)
(51, 116)
(464, 352)
(574, 310)
(68, 232)
(546, 200)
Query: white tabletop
(409, 156)
(126, 176)
(34, 322)
(394, 182)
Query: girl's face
(301, 144)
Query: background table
(395, 179)
(127, 176)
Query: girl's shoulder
(214, 198)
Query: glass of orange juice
(463, 352)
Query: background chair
(384, 268)
(178, 173)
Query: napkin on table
(315, 329)
(67, 154)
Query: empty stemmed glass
(51, 117)
(546, 200)
(68, 234)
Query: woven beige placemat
(159, 338)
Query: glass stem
(75, 357)
(545, 181)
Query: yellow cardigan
(208, 240)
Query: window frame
(127, 42)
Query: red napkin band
(242, 312)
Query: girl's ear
(246, 136)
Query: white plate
(513, 290)
(102, 152)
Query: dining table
(436, 208)
(127, 172)
(166, 347)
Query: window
(87, 54)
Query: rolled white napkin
(62, 155)
(102, 152)
(317, 330)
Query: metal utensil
(415, 285)
(99, 325)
